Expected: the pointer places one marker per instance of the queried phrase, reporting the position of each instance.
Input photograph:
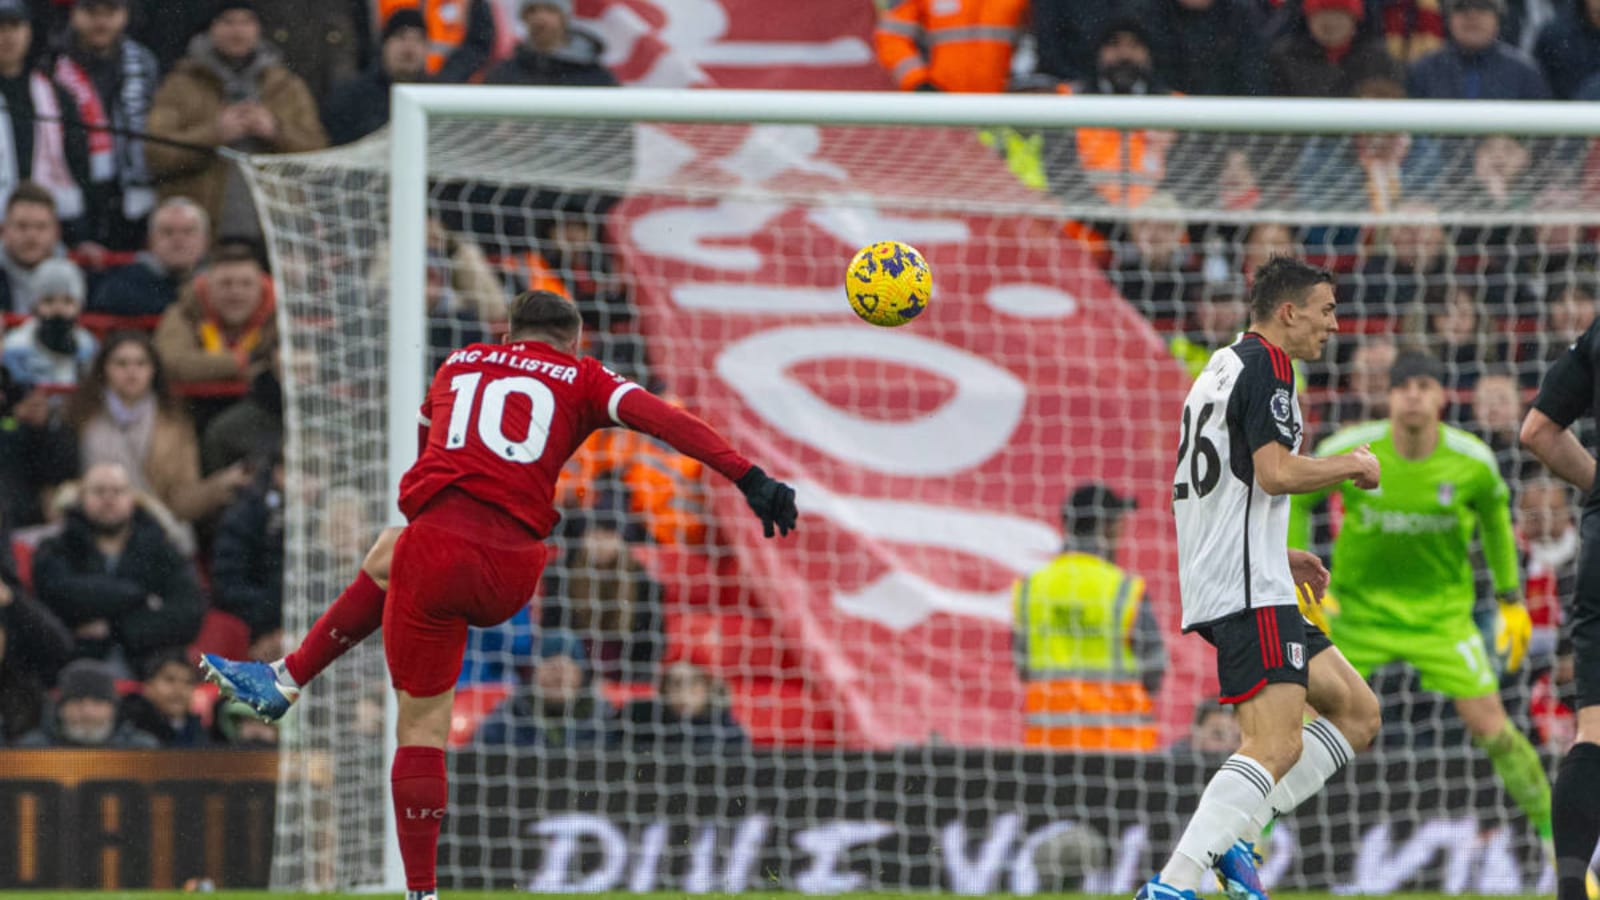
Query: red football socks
(421, 794)
(356, 614)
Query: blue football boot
(1236, 872)
(255, 684)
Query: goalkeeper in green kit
(1402, 582)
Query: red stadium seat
(221, 633)
(203, 702)
(102, 324)
(471, 704)
(22, 552)
(621, 693)
(208, 389)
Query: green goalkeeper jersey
(1401, 559)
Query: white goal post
(404, 159)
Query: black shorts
(1262, 646)
(1583, 613)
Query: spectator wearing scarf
(220, 321)
(111, 80)
(41, 135)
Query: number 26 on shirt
(1198, 454)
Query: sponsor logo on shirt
(1394, 521)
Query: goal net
(690, 707)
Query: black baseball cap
(1093, 501)
(14, 11)
(1415, 364)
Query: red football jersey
(502, 419)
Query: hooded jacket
(574, 64)
(1499, 72)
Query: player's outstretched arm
(1559, 449)
(1281, 471)
(771, 500)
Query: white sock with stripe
(1238, 789)
(1323, 751)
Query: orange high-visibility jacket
(665, 488)
(1124, 167)
(962, 46)
(1083, 691)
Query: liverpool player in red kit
(498, 424)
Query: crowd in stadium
(141, 471)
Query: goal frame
(413, 105)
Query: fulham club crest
(1297, 655)
(1447, 493)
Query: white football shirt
(1232, 535)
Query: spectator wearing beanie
(233, 91)
(322, 41)
(1475, 64)
(359, 106)
(555, 52)
(1327, 54)
(50, 348)
(461, 35)
(85, 714)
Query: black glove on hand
(771, 500)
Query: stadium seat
(204, 702)
(621, 693)
(224, 634)
(102, 324)
(471, 704)
(209, 389)
(22, 552)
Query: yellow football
(888, 283)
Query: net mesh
(842, 710)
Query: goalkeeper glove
(1314, 610)
(771, 500)
(1513, 629)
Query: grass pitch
(655, 895)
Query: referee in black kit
(1572, 389)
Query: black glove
(771, 500)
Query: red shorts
(458, 563)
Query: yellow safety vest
(1073, 619)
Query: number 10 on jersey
(491, 415)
